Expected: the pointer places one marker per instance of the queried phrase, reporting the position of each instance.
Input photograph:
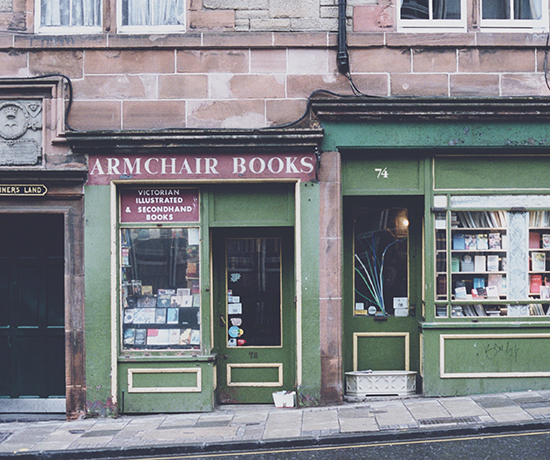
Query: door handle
(222, 321)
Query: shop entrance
(254, 313)
(383, 283)
(32, 333)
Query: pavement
(253, 427)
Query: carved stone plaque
(20, 132)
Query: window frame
(464, 24)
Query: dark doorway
(32, 339)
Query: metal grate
(448, 420)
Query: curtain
(70, 12)
(153, 12)
(501, 9)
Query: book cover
(470, 242)
(129, 316)
(187, 301)
(195, 338)
(492, 263)
(455, 264)
(538, 261)
(160, 316)
(482, 241)
(467, 263)
(163, 300)
(129, 336)
(147, 290)
(494, 241)
(146, 301)
(480, 264)
(460, 292)
(163, 337)
(535, 282)
(546, 241)
(172, 316)
(458, 242)
(196, 300)
(152, 336)
(136, 287)
(492, 292)
(175, 301)
(185, 336)
(479, 283)
(498, 281)
(534, 240)
(144, 316)
(544, 292)
(174, 337)
(141, 336)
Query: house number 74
(382, 172)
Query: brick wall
(232, 79)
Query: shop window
(381, 261)
(69, 16)
(160, 288)
(492, 263)
(151, 15)
(495, 15)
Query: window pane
(70, 12)
(495, 9)
(153, 12)
(446, 9)
(254, 291)
(414, 9)
(381, 259)
(527, 9)
(160, 288)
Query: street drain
(448, 420)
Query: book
(467, 264)
(492, 292)
(129, 316)
(538, 261)
(534, 240)
(173, 336)
(535, 282)
(163, 300)
(494, 241)
(459, 242)
(546, 241)
(482, 241)
(172, 316)
(144, 316)
(146, 301)
(544, 292)
(163, 337)
(185, 336)
(479, 283)
(480, 264)
(160, 316)
(492, 263)
(129, 336)
(147, 290)
(141, 336)
(460, 292)
(195, 338)
(498, 282)
(455, 265)
(470, 242)
(152, 336)
(187, 301)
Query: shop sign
(103, 169)
(23, 190)
(159, 205)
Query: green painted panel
(252, 205)
(471, 171)
(254, 374)
(166, 402)
(381, 353)
(496, 354)
(98, 296)
(381, 172)
(165, 380)
(434, 134)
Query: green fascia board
(435, 134)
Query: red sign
(158, 205)
(103, 169)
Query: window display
(381, 261)
(160, 288)
(492, 263)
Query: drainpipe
(342, 58)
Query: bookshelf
(539, 254)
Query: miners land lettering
(23, 190)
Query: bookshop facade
(196, 261)
(445, 217)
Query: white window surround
(48, 22)
(485, 25)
